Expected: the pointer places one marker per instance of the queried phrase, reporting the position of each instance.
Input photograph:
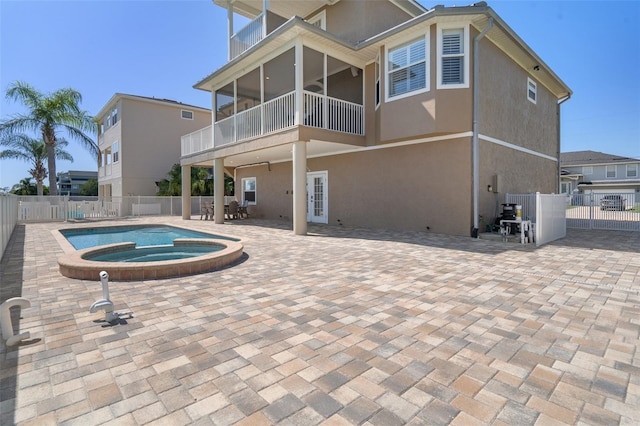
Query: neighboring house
(137, 139)
(592, 172)
(364, 113)
(69, 183)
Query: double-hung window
(115, 152)
(611, 171)
(249, 190)
(453, 57)
(377, 94)
(407, 69)
(632, 170)
(532, 90)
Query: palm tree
(22, 147)
(48, 114)
(25, 187)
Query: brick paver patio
(344, 326)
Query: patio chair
(206, 210)
(242, 209)
(232, 211)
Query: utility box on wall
(496, 183)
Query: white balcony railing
(197, 141)
(333, 114)
(275, 115)
(279, 113)
(105, 170)
(249, 35)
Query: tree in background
(25, 187)
(34, 151)
(201, 182)
(89, 188)
(48, 114)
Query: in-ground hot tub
(125, 262)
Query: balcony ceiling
(284, 8)
(280, 153)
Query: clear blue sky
(161, 48)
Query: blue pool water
(143, 236)
(154, 254)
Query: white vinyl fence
(547, 213)
(551, 222)
(62, 208)
(8, 219)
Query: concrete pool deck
(344, 326)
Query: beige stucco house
(377, 114)
(137, 139)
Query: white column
(229, 27)
(214, 108)
(265, 7)
(300, 188)
(218, 190)
(299, 82)
(186, 192)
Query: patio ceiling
(281, 153)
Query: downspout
(560, 102)
(474, 143)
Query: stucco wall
(357, 20)
(423, 185)
(519, 173)
(505, 112)
(150, 143)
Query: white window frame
(606, 172)
(255, 190)
(465, 55)
(532, 86)
(377, 95)
(587, 170)
(115, 151)
(320, 17)
(405, 43)
(182, 111)
(633, 167)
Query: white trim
(182, 111)
(635, 166)
(319, 17)
(531, 82)
(427, 66)
(426, 140)
(516, 147)
(606, 171)
(587, 170)
(392, 145)
(466, 48)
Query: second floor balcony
(326, 94)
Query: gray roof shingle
(575, 158)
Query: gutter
(474, 144)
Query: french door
(317, 197)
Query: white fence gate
(612, 211)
